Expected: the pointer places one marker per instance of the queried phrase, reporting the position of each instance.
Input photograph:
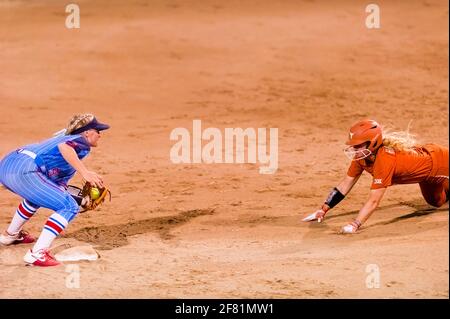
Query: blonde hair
(78, 121)
(400, 140)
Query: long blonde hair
(400, 140)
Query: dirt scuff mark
(113, 236)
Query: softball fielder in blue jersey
(39, 173)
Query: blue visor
(93, 125)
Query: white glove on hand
(350, 228)
(318, 214)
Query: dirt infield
(308, 68)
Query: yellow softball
(95, 193)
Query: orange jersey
(400, 167)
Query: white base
(77, 253)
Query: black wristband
(334, 198)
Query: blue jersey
(50, 160)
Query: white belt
(29, 153)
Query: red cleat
(41, 258)
(21, 237)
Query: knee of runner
(437, 201)
(441, 202)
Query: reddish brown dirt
(308, 68)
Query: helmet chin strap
(356, 155)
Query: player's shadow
(420, 209)
(417, 213)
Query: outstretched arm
(347, 183)
(71, 157)
(345, 186)
(372, 203)
(366, 211)
(337, 194)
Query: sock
(23, 213)
(53, 227)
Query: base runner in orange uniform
(392, 159)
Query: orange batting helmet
(365, 131)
